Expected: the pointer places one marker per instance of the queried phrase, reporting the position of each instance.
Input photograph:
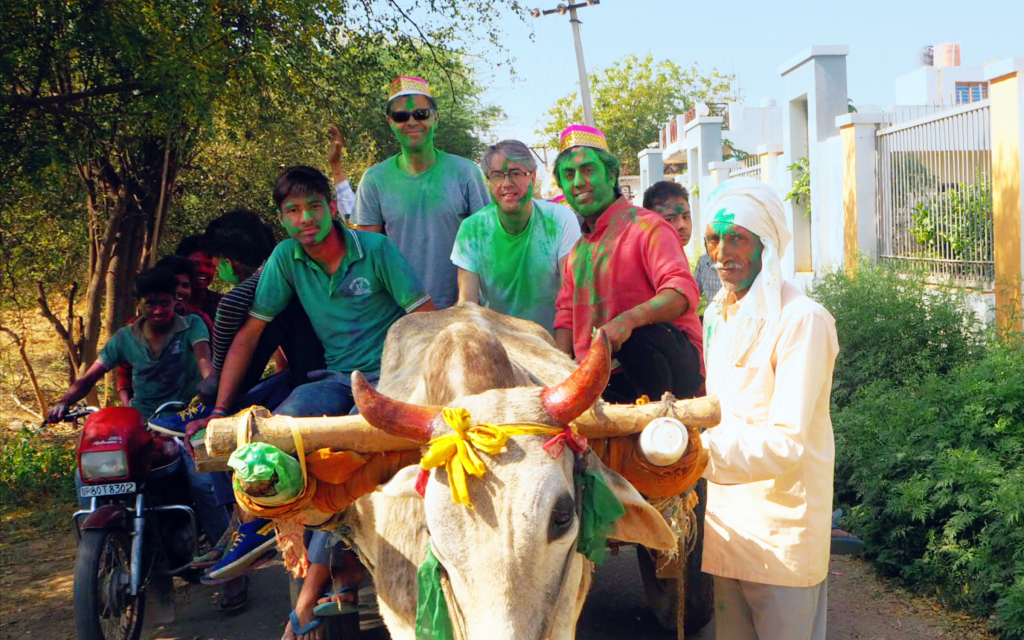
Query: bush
(935, 468)
(894, 327)
(33, 468)
(929, 426)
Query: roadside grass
(36, 483)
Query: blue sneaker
(248, 545)
(175, 423)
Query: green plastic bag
(259, 461)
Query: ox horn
(577, 393)
(395, 417)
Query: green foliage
(894, 327)
(633, 99)
(929, 433)
(956, 223)
(92, 92)
(33, 468)
(801, 191)
(934, 469)
(734, 153)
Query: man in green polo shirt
(353, 285)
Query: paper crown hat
(408, 86)
(580, 135)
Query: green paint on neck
(226, 272)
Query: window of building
(967, 92)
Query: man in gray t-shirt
(420, 196)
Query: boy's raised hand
(336, 145)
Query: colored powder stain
(226, 273)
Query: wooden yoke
(352, 433)
(341, 433)
(610, 420)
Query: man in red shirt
(627, 275)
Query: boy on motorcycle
(169, 354)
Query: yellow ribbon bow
(458, 451)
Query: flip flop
(299, 630)
(227, 604)
(335, 608)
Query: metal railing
(934, 184)
(715, 110)
(673, 131)
(747, 172)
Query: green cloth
(518, 274)
(260, 461)
(432, 620)
(351, 309)
(600, 511)
(169, 376)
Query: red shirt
(631, 255)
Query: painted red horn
(567, 401)
(410, 421)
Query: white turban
(756, 207)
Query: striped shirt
(706, 277)
(232, 313)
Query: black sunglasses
(403, 116)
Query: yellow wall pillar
(860, 225)
(1006, 90)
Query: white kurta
(769, 505)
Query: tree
(634, 98)
(107, 104)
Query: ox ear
(403, 484)
(642, 523)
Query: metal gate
(934, 179)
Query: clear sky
(749, 39)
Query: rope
(458, 451)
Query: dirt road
(36, 587)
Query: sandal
(299, 630)
(337, 608)
(237, 602)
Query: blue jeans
(267, 393)
(329, 393)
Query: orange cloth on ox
(622, 454)
(346, 476)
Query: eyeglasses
(497, 177)
(419, 115)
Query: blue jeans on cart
(329, 393)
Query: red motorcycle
(139, 529)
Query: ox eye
(562, 516)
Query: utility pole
(562, 9)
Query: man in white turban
(769, 353)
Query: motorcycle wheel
(103, 608)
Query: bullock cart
(468, 375)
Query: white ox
(512, 562)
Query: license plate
(100, 490)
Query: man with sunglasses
(511, 253)
(420, 196)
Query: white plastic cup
(664, 441)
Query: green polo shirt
(351, 309)
(171, 375)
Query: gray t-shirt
(422, 214)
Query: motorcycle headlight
(104, 464)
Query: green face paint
(307, 220)
(585, 181)
(226, 273)
(735, 250)
(413, 135)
